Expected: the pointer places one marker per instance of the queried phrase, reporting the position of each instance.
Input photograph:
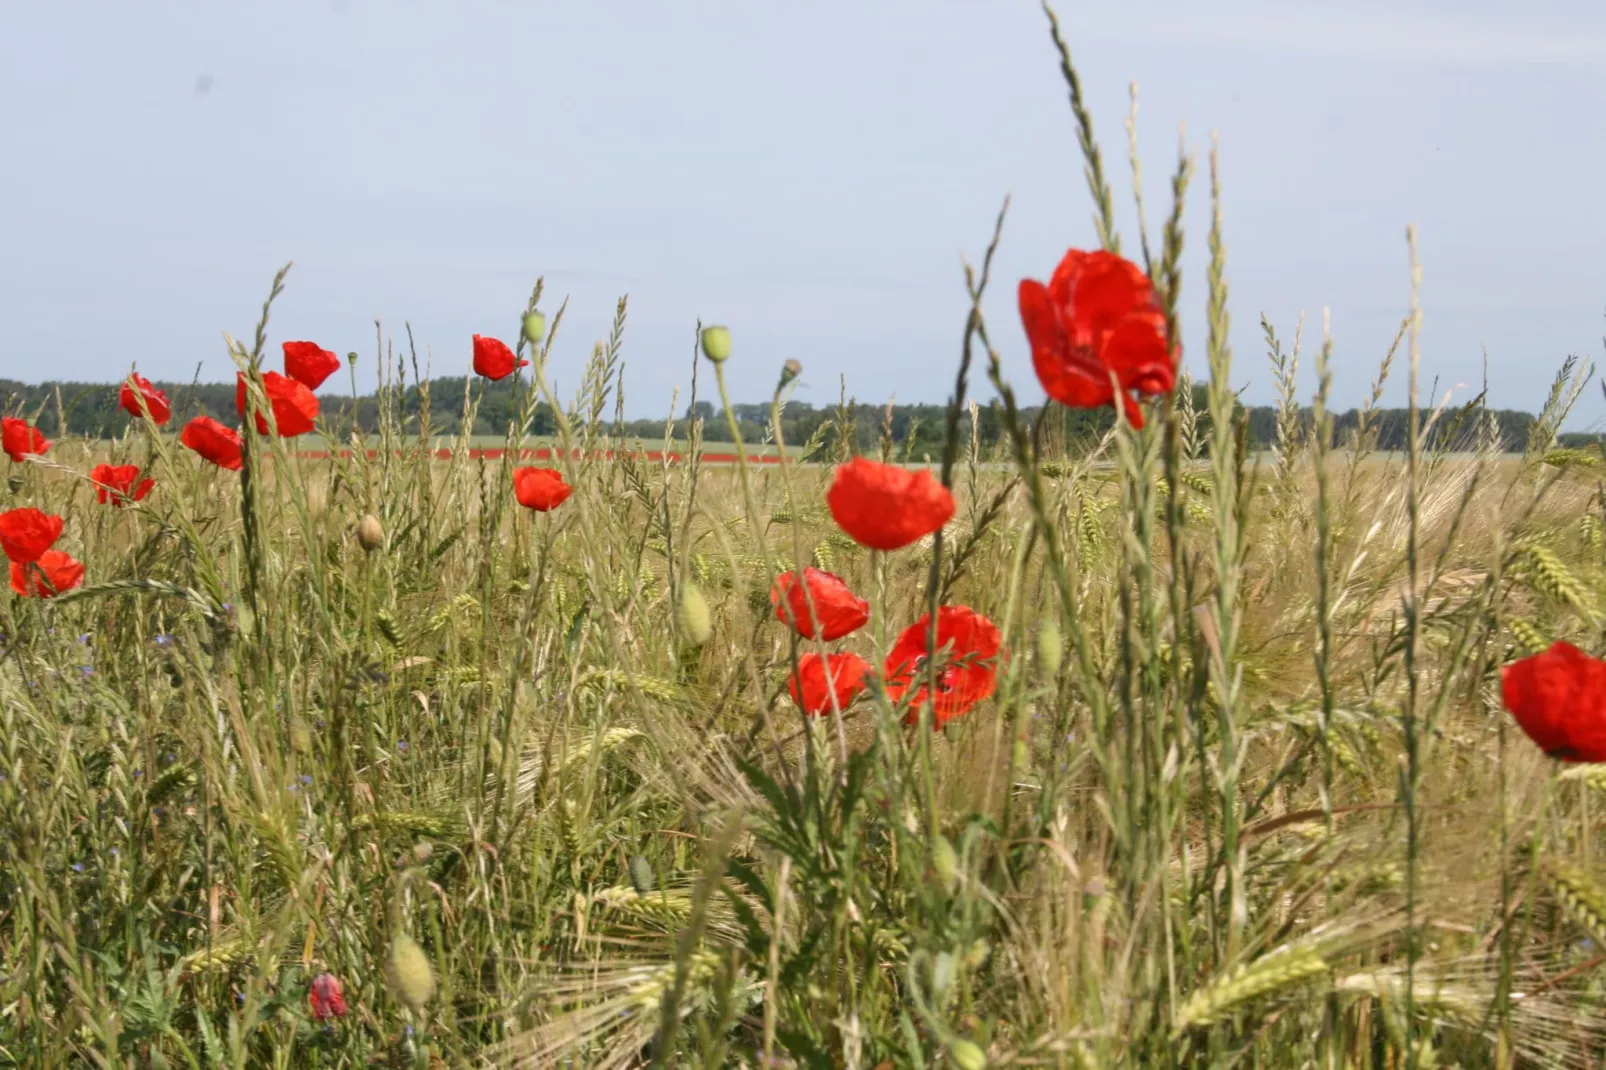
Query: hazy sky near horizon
(808, 174)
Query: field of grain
(347, 759)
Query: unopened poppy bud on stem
(789, 371)
(692, 615)
(534, 328)
(409, 972)
(717, 344)
(369, 534)
(966, 1054)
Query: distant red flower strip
(540, 488)
(295, 408)
(21, 439)
(494, 360)
(886, 507)
(1096, 329)
(837, 610)
(119, 484)
(817, 679)
(136, 388)
(47, 577)
(967, 673)
(215, 442)
(309, 363)
(25, 534)
(1558, 698)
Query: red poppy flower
(213, 441)
(817, 678)
(1559, 699)
(309, 364)
(25, 534)
(1097, 317)
(119, 484)
(968, 673)
(494, 360)
(21, 439)
(837, 610)
(540, 488)
(135, 387)
(325, 997)
(886, 507)
(47, 577)
(294, 406)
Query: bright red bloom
(1098, 317)
(135, 387)
(325, 997)
(119, 484)
(47, 577)
(495, 360)
(21, 439)
(837, 610)
(816, 678)
(309, 364)
(886, 507)
(540, 488)
(967, 674)
(1559, 699)
(25, 534)
(213, 441)
(295, 407)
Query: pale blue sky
(807, 173)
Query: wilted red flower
(325, 997)
(1097, 317)
(135, 387)
(1559, 699)
(47, 577)
(495, 360)
(294, 406)
(540, 488)
(119, 484)
(25, 534)
(886, 507)
(967, 674)
(20, 439)
(837, 610)
(213, 441)
(309, 363)
(816, 678)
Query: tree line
(91, 409)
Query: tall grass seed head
(534, 328)
(717, 344)
(409, 972)
(370, 535)
(945, 863)
(692, 615)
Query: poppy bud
(351, 358)
(534, 328)
(15, 483)
(789, 371)
(1050, 647)
(369, 534)
(945, 863)
(717, 344)
(967, 1055)
(692, 615)
(409, 972)
(641, 878)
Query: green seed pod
(789, 371)
(967, 1055)
(370, 535)
(641, 878)
(945, 863)
(351, 358)
(409, 972)
(1050, 647)
(717, 344)
(534, 328)
(15, 484)
(692, 615)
